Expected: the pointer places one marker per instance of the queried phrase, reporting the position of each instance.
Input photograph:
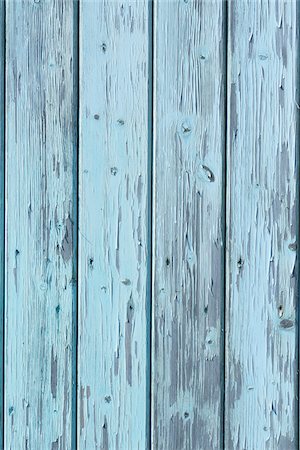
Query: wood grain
(261, 387)
(216, 175)
(189, 147)
(2, 237)
(40, 141)
(113, 233)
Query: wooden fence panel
(189, 148)
(137, 138)
(113, 229)
(40, 138)
(262, 211)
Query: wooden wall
(149, 219)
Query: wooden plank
(189, 142)
(40, 138)
(113, 158)
(261, 387)
(2, 122)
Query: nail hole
(114, 171)
(186, 128)
(240, 263)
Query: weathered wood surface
(216, 174)
(39, 215)
(189, 145)
(2, 237)
(113, 160)
(262, 210)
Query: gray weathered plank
(189, 144)
(261, 408)
(113, 158)
(39, 214)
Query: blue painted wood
(117, 102)
(113, 230)
(2, 225)
(263, 217)
(39, 216)
(188, 285)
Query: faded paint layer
(39, 216)
(189, 147)
(113, 209)
(38, 141)
(261, 377)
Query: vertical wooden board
(261, 386)
(2, 123)
(39, 216)
(113, 158)
(189, 142)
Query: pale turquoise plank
(113, 231)
(263, 146)
(39, 288)
(189, 147)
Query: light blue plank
(263, 147)
(2, 175)
(113, 231)
(39, 287)
(189, 148)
